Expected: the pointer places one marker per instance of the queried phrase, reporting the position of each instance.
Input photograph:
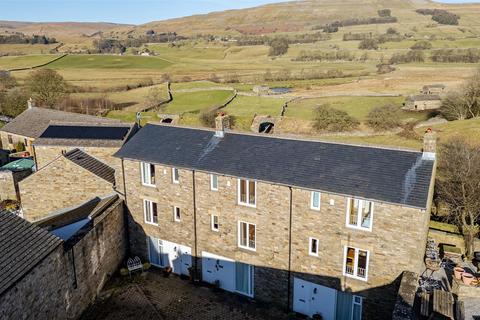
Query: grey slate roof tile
(32, 122)
(388, 175)
(91, 164)
(22, 246)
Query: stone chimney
(222, 123)
(429, 144)
(30, 103)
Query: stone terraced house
(316, 227)
(31, 123)
(75, 162)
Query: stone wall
(393, 243)
(63, 184)
(50, 292)
(403, 309)
(420, 105)
(457, 240)
(46, 154)
(15, 139)
(9, 183)
(97, 255)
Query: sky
(120, 11)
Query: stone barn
(422, 102)
(433, 89)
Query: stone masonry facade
(64, 184)
(282, 234)
(9, 183)
(15, 139)
(53, 290)
(46, 154)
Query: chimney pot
(222, 123)
(429, 144)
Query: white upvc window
(213, 182)
(355, 263)
(357, 303)
(150, 212)
(214, 223)
(175, 175)
(359, 214)
(315, 200)
(177, 215)
(313, 247)
(247, 235)
(247, 192)
(148, 174)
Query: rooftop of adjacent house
(33, 121)
(23, 246)
(91, 164)
(19, 165)
(85, 134)
(394, 176)
(424, 97)
(65, 223)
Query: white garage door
(218, 268)
(164, 253)
(310, 299)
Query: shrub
(421, 45)
(20, 146)
(410, 56)
(368, 44)
(440, 16)
(333, 120)
(392, 31)
(384, 13)
(384, 118)
(207, 118)
(278, 47)
(383, 68)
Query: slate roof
(91, 164)
(32, 122)
(393, 176)
(89, 209)
(85, 134)
(424, 97)
(22, 246)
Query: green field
(25, 61)
(195, 102)
(357, 107)
(109, 62)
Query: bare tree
(465, 103)
(453, 107)
(47, 87)
(458, 187)
(155, 96)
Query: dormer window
(148, 174)
(359, 214)
(247, 192)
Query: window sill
(313, 255)
(149, 185)
(315, 209)
(351, 276)
(247, 249)
(151, 223)
(247, 205)
(359, 228)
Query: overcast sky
(120, 11)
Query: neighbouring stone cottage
(52, 270)
(422, 102)
(242, 211)
(31, 123)
(11, 174)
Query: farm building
(422, 102)
(433, 89)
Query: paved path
(151, 296)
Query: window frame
(10, 139)
(177, 180)
(239, 197)
(175, 219)
(239, 235)
(310, 253)
(142, 173)
(211, 182)
(151, 210)
(358, 304)
(212, 223)
(319, 201)
(361, 203)
(355, 263)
